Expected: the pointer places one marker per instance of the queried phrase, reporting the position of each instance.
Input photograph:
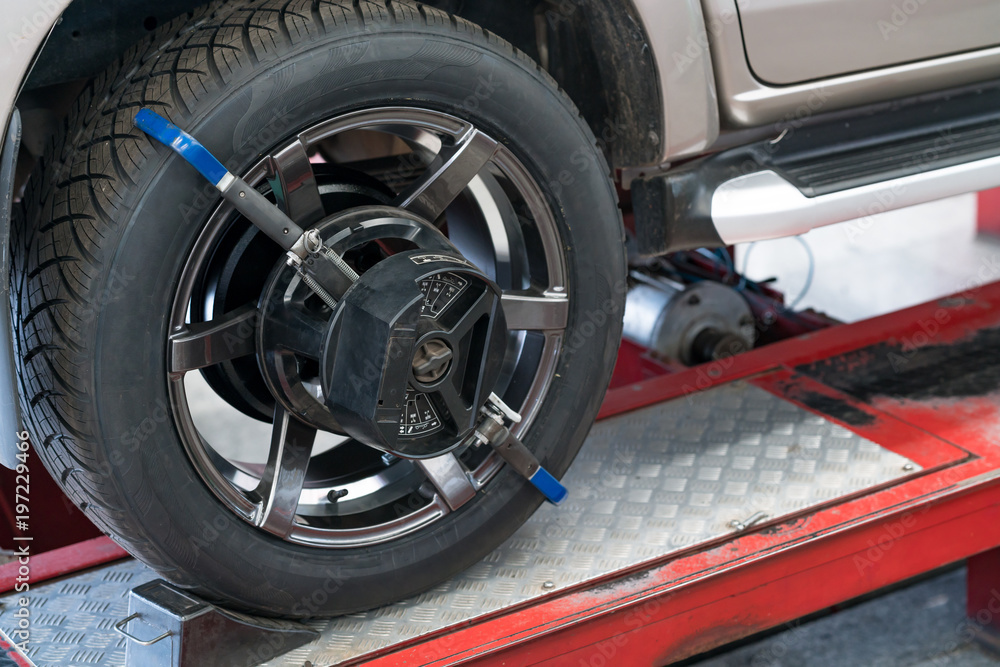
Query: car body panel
(706, 81)
(792, 41)
(676, 30)
(28, 25)
(746, 102)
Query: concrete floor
(864, 269)
(922, 625)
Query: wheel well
(576, 41)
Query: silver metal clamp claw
(492, 430)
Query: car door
(792, 41)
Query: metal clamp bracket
(492, 431)
(258, 209)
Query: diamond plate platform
(646, 484)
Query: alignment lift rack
(706, 506)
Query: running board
(763, 205)
(830, 172)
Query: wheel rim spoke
(294, 184)
(535, 313)
(431, 194)
(450, 479)
(449, 397)
(281, 484)
(484, 306)
(206, 343)
(298, 331)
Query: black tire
(109, 219)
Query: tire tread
(65, 232)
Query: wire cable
(810, 274)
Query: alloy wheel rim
(499, 220)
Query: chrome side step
(819, 173)
(764, 205)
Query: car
(313, 301)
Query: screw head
(548, 585)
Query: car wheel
(168, 356)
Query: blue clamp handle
(550, 487)
(182, 143)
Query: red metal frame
(669, 609)
(62, 561)
(988, 213)
(635, 364)
(10, 656)
(983, 598)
